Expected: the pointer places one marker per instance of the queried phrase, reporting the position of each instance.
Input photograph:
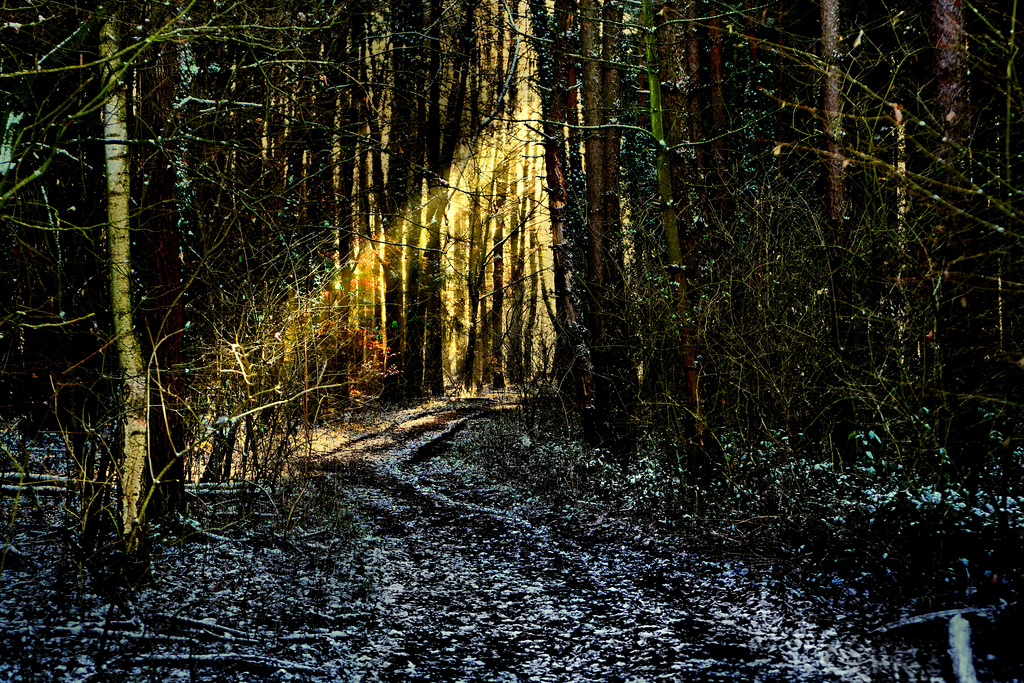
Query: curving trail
(475, 582)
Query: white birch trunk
(132, 460)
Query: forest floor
(389, 556)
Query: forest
(755, 263)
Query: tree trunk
(437, 203)
(961, 368)
(666, 191)
(720, 125)
(402, 157)
(161, 274)
(498, 290)
(530, 326)
(134, 396)
(415, 301)
(832, 109)
(476, 263)
(555, 80)
(836, 205)
(344, 164)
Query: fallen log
(34, 489)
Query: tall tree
(601, 108)
(956, 238)
(164, 315)
(134, 433)
(555, 86)
(666, 49)
(443, 135)
(832, 111)
(497, 324)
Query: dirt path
(475, 582)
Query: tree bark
(555, 80)
(134, 434)
(720, 125)
(961, 368)
(832, 110)
(344, 164)
(161, 274)
(497, 327)
(666, 191)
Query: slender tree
(669, 41)
(164, 317)
(555, 84)
(134, 432)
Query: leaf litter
(443, 575)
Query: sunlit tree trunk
(436, 207)
(458, 315)
(530, 325)
(517, 284)
(346, 223)
(396, 194)
(378, 215)
(343, 162)
(415, 305)
(442, 136)
(433, 291)
(475, 265)
(134, 396)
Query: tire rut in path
(424, 429)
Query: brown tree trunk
(531, 314)
(836, 204)
(443, 133)
(672, 59)
(720, 124)
(497, 327)
(962, 371)
(832, 110)
(345, 163)
(601, 95)
(161, 273)
(556, 106)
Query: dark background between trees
(780, 242)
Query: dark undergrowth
(906, 535)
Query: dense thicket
(762, 237)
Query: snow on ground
(426, 572)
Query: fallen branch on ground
(207, 630)
(960, 650)
(254, 663)
(932, 616)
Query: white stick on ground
(960, 650)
